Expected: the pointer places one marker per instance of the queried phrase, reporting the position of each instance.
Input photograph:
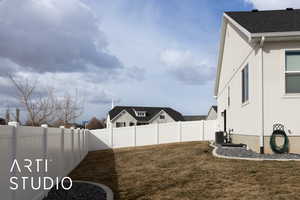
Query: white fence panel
(34, 145)
(210, 129)
(54, 152)
(68, 150)
(6, 158)
(99, 139)
(146, 135)
(168, 133)
(30, 145)
(192, 131)
(123, 137)
(151, 134)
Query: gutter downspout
(261, 141)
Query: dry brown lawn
(188, 171)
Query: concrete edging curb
(109, 193)
(214, 152)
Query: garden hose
(279, 149)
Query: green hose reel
(279, 132)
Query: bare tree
(95, 123)
(40, 106)
(70, 108)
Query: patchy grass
(188, 171)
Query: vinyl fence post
(86, 140)
(134, 129)
(45, 145)
(79, 148)
(203, 130)
(157, 133)
(179, 131)
(111, 130)
(62, 148)
(14, 150)
(72, 145)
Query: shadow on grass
(99, 167)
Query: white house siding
(279, 108)
(243, 119)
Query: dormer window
(140, 113)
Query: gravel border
(242, 153)
(81, 190)
(109, 193)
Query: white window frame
(246, 101)
(286, 94)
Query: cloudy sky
(137, 52)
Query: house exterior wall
(242, 118)
(127, 118)
(279, 107)
(124, 117)
(274, 106)
(212, 115)
(166, 120)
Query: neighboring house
(121, 116)
(194, 117)
(258, 77)
(212, 113)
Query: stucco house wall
(279, 107)
(238, 52)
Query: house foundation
(252, 141)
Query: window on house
(161, 117)
(131, 124)
(141, 113)
(245, 84)
(292, 72)
(120, 124)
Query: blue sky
(149, 28)
(137, 52)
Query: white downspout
(261, 141)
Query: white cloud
(186, 67)
(274, 4)
(53, 35)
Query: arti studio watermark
(36, 170)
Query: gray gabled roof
(268, 20)
(150, 112)
(215, 108)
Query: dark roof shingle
(194, 117)
(268, 21)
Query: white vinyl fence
(152, 134)
(64, 149)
